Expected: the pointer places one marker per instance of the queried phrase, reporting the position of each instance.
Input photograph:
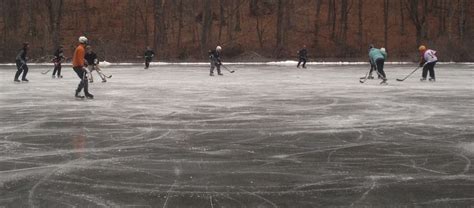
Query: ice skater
(57, 60)
(78, 64)
(427, 61)
(149, 54)
(303, 56)
(93, 64)
(21, 63)
(377, 57)
(215, 59)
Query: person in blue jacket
(377, 57)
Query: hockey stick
(45, 72)
(365, 78)
(231, 71)
(109, 76)
(401, 80)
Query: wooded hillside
(251, 30)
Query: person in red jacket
(78, 66)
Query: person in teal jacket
(377, 57)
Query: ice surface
(264, 136)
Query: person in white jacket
(428, 61)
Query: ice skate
(78, 96)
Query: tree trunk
(237, 17)
(160, 29)
(462, 19)
(180, 22)
(386, 7)
(402, 19)
(222, 18)
(55, 8)
(361, 26)
(86, 11)
(343, 26)
(279, 26)
(317, 23)
(31, 19)
(206, 25)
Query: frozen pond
(264, 136)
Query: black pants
(81, 73)
(380, 62)
(147, 62)
(215, 64)
(21, 68)
(429, 67)
(57, 68)
(302, 60)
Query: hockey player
(303, 55)
(215, 59)
(93, 64)
(149, 54)
(57, 60)
(428, 61)
(377, 58)
(21, 63)
(78, 64)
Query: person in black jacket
(149, 54)
(303, 56)
(21, 63)
(93, 64)
(57, 60)
(215, 59)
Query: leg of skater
(431, 71)
(55, 69)
(25, 72)
(19, 67)
(80, 73)
(90, 70)
(59, 70)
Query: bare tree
(345, 9)
(386, 7)
(279, 26)
(402, 18)
(180, 22)
(159, 28)
(32, 31)
(86, 11)
(55, 8)
(418, 18)
(331, 19)
(462, 18)
(206, 25)
(360, 25)
(317, 23)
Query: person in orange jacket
(78, 64)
